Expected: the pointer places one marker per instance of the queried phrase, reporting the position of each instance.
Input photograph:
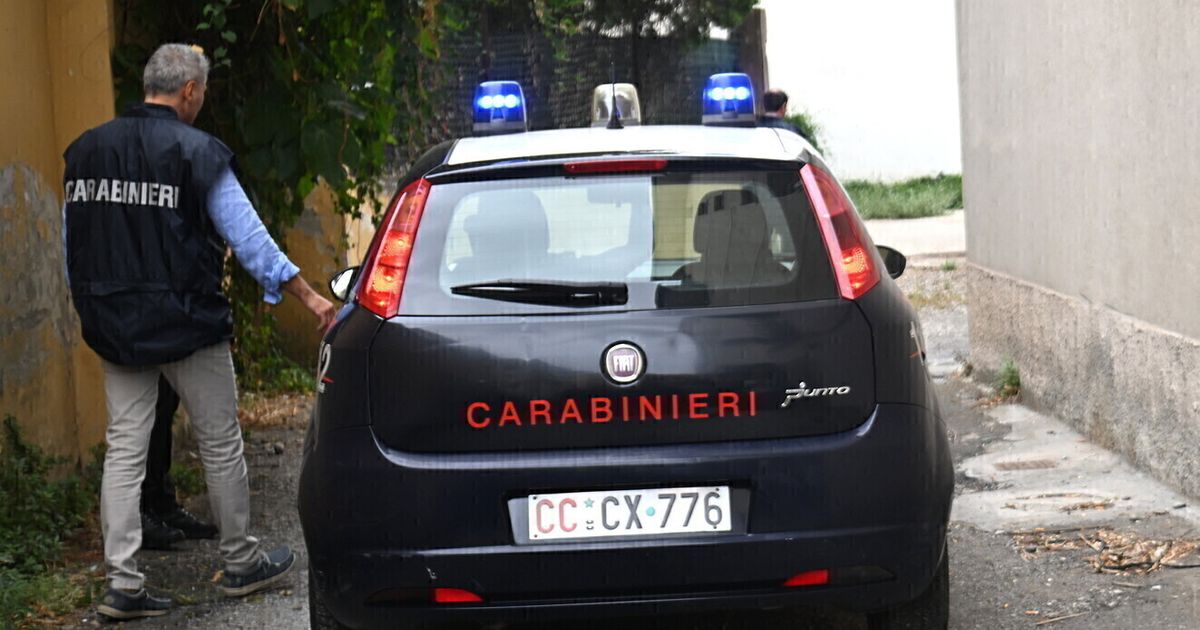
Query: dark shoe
(157, 534)
(191, 526)
(118, 604)
(271, 571)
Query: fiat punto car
(621, 371)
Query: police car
(619, 370)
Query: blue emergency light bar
(729, 100)
(499, 107)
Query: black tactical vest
(143, 257)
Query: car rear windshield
(617, 242)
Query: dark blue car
(623, 371)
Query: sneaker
(271, 571)
(118, 604)
(187, 522)
(157, 534)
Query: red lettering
(509, 414)
(674, 406)
(544, 503)
(727, 400)
(753, 404)
(478, 424)
(539, 409)
(562, 515)
(570, 410)
(601, 407)
(696, 404)
(625, 408)
(645, 408)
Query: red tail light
(614, 166)
(455, 596)
(809, 578)
(850, 248)
(387, 262)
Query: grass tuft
(909, 199)
(1008, 382)
(808, 126)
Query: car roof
(757, 143)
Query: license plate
(629, 513)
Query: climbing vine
(305, 92)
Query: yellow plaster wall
(56, 83)
(317, 244)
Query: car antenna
(614, 121)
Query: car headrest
(511, 221)
(729, 220)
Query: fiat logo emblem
(624, 363)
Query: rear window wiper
(556, 293)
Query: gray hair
(172, 66)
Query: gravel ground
(995, 583)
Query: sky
(880, 76)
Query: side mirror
(893, 261)
(340, 283)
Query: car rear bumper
(870, 505)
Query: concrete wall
(1080, 148)
(56, 83)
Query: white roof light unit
(629, 109)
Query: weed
(42, 506)
(949, 265)
(1008, 382)
(939, 298)
(188, 479)
(260, 364)
(809, 128)
(25, 599)
(913, 198)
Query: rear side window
(669, 240)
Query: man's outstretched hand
(322, 308)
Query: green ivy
(40, 506)
(304, 92)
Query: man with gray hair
(150, 204)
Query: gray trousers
(206, 385)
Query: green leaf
(320, 143)
(317, 8)
(287, 159)
(305, 186)
(229, 36)
(352, 154)
(258, 162)
(292, 4)
(426, 43)
(203, 26)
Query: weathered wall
(57, 82)
(317, 244)
(1080, 146)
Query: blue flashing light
(729, 99)
(499, 107)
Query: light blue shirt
(238, 223)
